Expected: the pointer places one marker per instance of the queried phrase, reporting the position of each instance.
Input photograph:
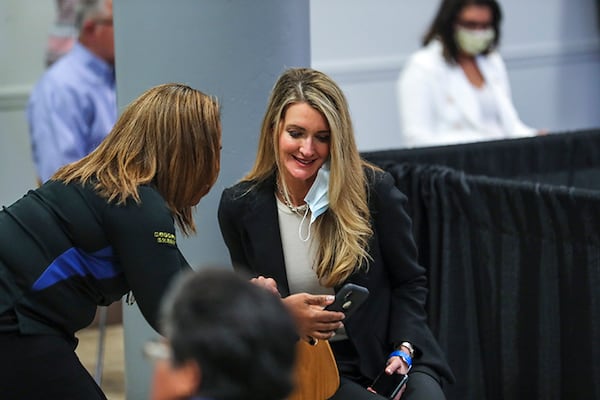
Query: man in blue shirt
(73, 106)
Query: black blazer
(394, 311)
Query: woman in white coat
(455, 89)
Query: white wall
(23, 30)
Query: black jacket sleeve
(144, 238)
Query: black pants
(423, 383)
(43, 367)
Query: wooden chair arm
(316, 373)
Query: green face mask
(474, 41)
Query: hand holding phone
(389, 385)
(348, 299)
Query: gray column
(233, 49)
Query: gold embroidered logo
(165, 237)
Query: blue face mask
(316, 199)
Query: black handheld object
(389, 385)
(348, 299)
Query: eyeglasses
(156, 350)
(474, 24)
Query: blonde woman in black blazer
(279, 228)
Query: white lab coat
(438, 105)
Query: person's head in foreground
(225, 339)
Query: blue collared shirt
(71, 109)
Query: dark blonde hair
(345, 229)
(169, 137)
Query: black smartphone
(348, 299)
(388, 386)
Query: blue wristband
(403, 355)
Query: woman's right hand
(312, 321)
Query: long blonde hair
(169, 137)
(343, 232)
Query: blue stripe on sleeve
(73, 262)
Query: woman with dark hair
(99, 228)
(456, 89)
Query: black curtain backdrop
(569, 158)
(513, 261)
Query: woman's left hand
(396, 365)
